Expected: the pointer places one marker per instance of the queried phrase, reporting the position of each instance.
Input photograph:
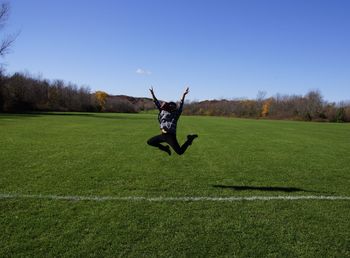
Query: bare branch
(4, 13)
(7, 41)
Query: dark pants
(169, 138)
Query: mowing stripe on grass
(174, 199)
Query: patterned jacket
(168, 120)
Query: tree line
(25, 93)
(308, 107)
(20, 93)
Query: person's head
(169, 106)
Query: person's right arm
(155, 100)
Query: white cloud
(143, 71)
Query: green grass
(107, 155)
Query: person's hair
(169, 106)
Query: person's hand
(186, 91)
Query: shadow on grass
(262, 188)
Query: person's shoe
(167, 149)
(191, 137)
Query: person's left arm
(183, 100)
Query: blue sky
(221, 49)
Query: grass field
(105, 155)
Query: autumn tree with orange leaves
(101, 98)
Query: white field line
(173, 199)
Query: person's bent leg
(156, 142)
(172, 141)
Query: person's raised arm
(155, 100)
(183, 99)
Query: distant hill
(128, 104)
